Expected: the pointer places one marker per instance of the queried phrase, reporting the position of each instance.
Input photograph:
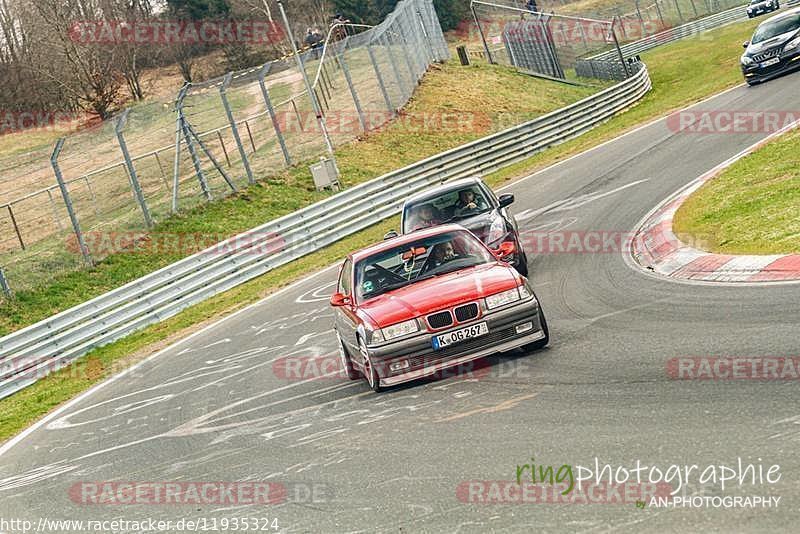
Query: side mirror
(339, 299)
(745, 44)
(506, 200)
(391, 234)
(506, 249)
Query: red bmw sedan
(417, 304)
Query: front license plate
(769, 62)
(457, 336)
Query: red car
(417, 304)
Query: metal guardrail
(34, 351)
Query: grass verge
(752, 207)
(682, 73)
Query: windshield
(425, 258)
(449, 206)
(768, 30)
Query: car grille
(467, 312)
(440, 319)
(459, 349)
(775, 52)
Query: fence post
(184, 132)
(340, 58)
(660, 15)
(177, 165)
(408, 51)
(137, 189)
(16, 227)
(234, 129)
(483, 37)
(393, 63)
(271, 111)
(307, 83)
(4, 285)
(619, 52)
(694, 8)
(68, 202)
(678, 9)
(380, 80)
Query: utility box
(325, 174)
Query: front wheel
(347, 363)
(370, 373)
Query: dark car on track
(774, 48)
(759, 7)
(415, 305)
(473, 205)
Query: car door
(346, 318)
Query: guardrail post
(234, 130)
(340, 58)
(271, 112)
(68, 202)
(380, 80)
(16, 227)
(137, 189)
(4, 285)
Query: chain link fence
(570, 41)
(161, 157)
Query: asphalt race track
(221, 406)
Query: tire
(370, 374)
(542, 343)
(347, 362)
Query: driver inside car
(441, 254)
(467, 202)
(427, 216)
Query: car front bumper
(422, 360)
(756, 73)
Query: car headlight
(374, 336)
(746, 60)
(497, 231)
(525, 292)
(793, 44)
(502, 298)
(400, 329)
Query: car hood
(757, 48)
(439, 292)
